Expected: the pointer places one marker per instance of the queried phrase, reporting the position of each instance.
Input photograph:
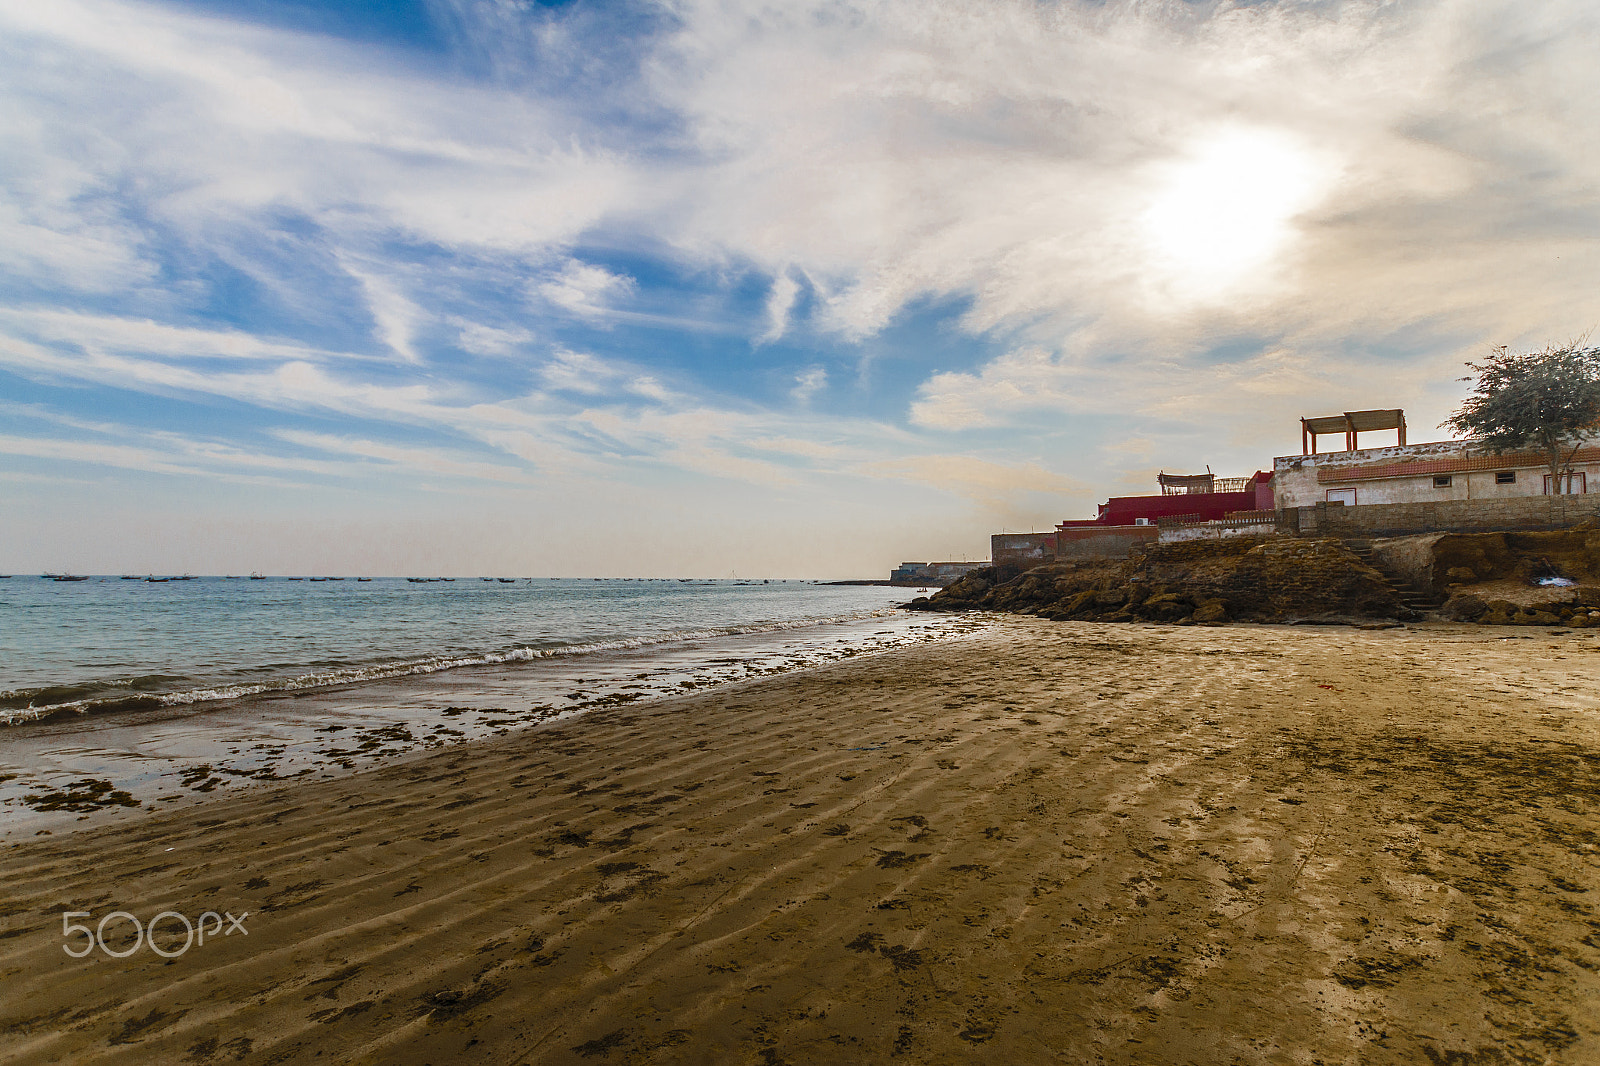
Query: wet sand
(1037, 842)
(70, 768)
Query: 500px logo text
(194, 932)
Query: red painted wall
(1122, 510)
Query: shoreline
(1036, 841)
(58, 772)
(130, 700)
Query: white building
(1415, 473)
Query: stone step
(1411, 598)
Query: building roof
(1447, 465)
(1357, 421)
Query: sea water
(112, 644)
(121, 696)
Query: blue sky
(702, 286)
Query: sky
(711, 287)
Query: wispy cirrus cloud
(648, 244)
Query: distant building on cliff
(1415, 473)
(1126, 521)
(940, 574)
(1391, 490)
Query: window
(1505, 477)
(1344, 496)
(1442, 481)
(1576, 484)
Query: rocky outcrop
(1494, 578)
(1240, 578)
(1495, 604)
(1476, 558)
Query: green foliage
(1546, 401)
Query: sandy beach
(1035, 842)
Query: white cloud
(994, 485)
(780, 302)
(584, 289)
(111, 333)
(579, 372)
(1017, 155)
(427, 460)
(808, 383)
(396, 318)
(479, 339)
(1191, 222)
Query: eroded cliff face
(1247, 579)
(1493, 578)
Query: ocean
(128, 693)
(107, 643)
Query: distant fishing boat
(152, 579)
(507, 580)
(319, 579)
(360, 579)
(258, 576)
(70, 577)
(296, 579)
(5, 577)
(132, 577)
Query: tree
(1547, 401)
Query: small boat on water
(70, 577)
(359, 579)
(319, 579)
(5, 577)
(507, 580)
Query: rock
(1536, 618)
(1235, 579)
(1463, 607)
(1168, 607)
(1078, 604)
(1462, 574)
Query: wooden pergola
(1350, 424)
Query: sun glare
(1225, 211)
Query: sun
(1224, 212)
